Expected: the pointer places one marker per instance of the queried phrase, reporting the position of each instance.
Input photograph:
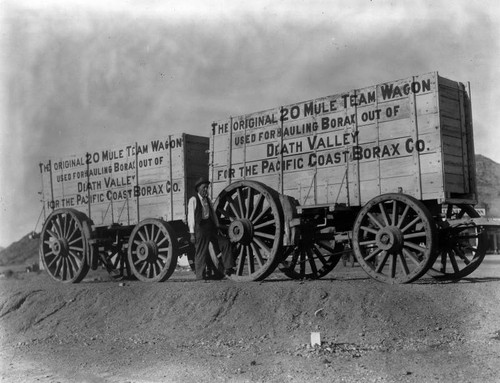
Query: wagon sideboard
(128, 183)
(412, 135)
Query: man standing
(203, 228)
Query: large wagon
(123, 208)
(388, 169)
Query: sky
(82, 75)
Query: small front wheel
(64, 245)
(152, 250)
(461, 248)
(394, 238)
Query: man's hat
(201, 181)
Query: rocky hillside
(25, 251)
(488, 184)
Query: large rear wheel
(253, 215)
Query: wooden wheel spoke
(393, 264)
(257, 254)
(319, 256)
(144, 266)
(54, 260)
(453, 262)
(411, 224)
(394, 213)
(369, 229)
(411, 256)
(258, 207)
(264, 224)
(374, 254)
(461, 254)
(143, 237)
(251, 264)
(382, 263)
(415, 246)
(165, 238)
(403, 216)
(263, 246)
(72, 229)
(76, 248)
(367, 243)
(419, 234)
(375, 220)
(73, 261)
(231, 204)
(444, 255)
(243, 213)
(72, 254)
(75, 240)
(155, 240)
(59, 263)
(247, 202)
(384, 213)
(312, 263)
(57, 227)
(264, 235)
(241, 261)
(265, 211)
(403, 264)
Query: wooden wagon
(388, 169)
(123, 208)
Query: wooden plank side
(366, 135)
(118, 181)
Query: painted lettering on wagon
(128, 151)
(330, 104)
(322, 158)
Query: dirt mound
(184, 330)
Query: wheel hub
(60, 247)
(147, 251)
(241, 231)
(389, 238)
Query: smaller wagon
(123, 208)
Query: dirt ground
(183, 330)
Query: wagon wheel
(64, 245)
(394, 238)
(152, 250)
(253, 213)
(462, 248)
(314, 257)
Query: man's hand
(192, 238)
